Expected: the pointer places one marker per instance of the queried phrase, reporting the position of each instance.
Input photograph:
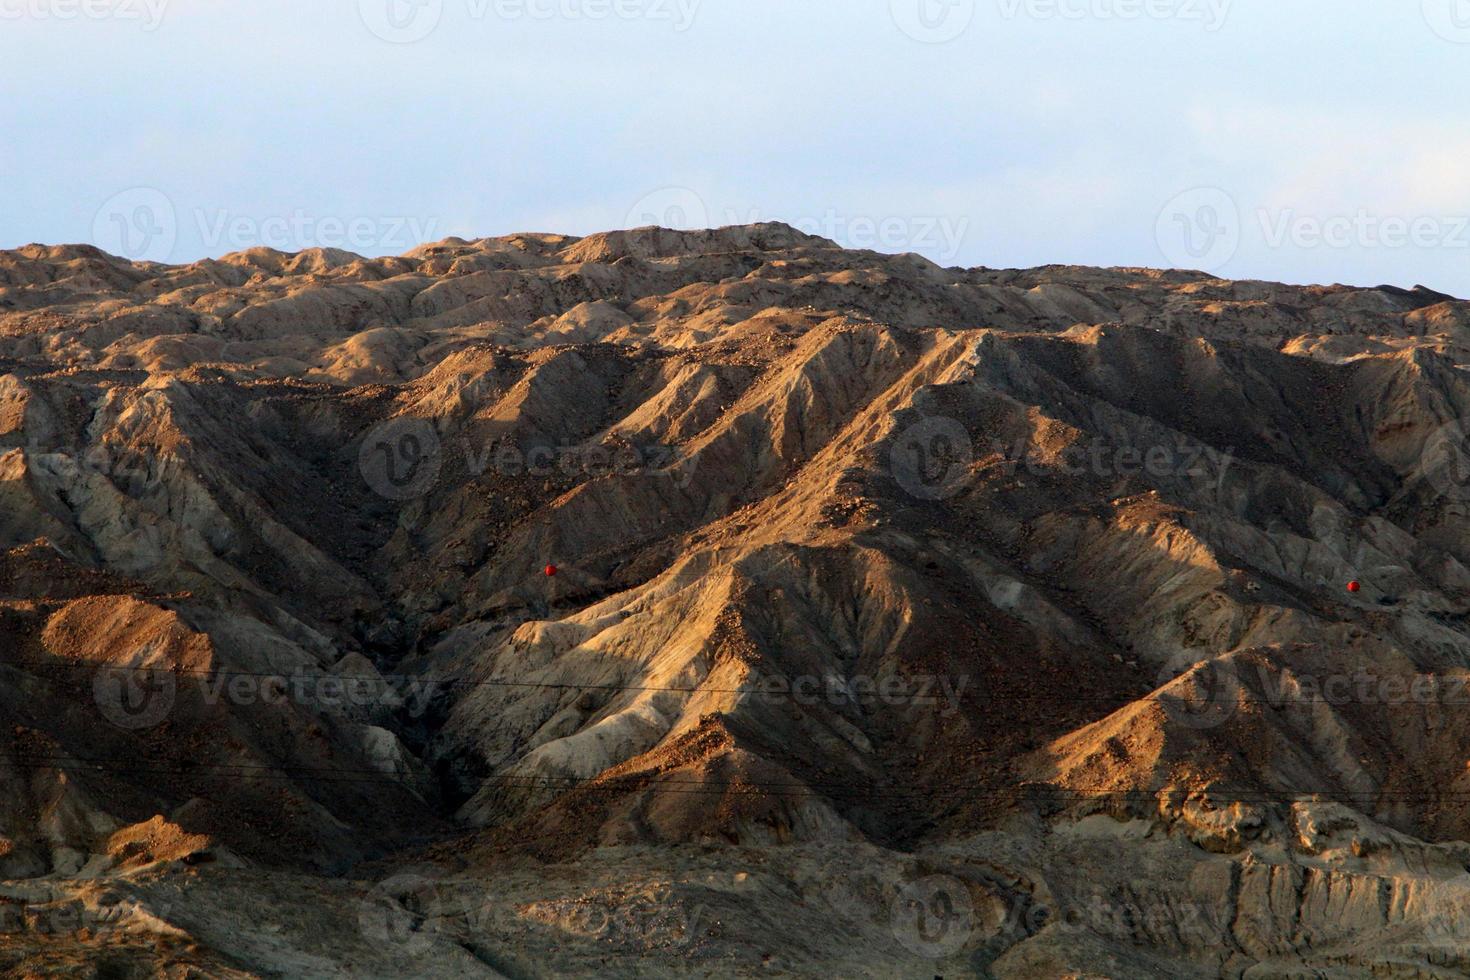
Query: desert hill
(834, 612)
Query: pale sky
(1302, 141)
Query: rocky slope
(727, 603)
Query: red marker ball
(550, 570)
(1355, 587)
